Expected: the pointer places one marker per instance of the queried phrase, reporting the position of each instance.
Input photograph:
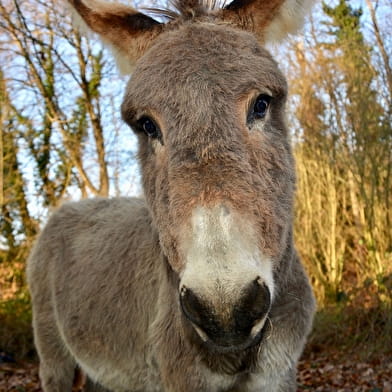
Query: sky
(123, 143)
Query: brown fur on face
(127, 31)
(209, 155)
(105, 275)
(269, 20)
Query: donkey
(197, 287)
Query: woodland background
(62, 138)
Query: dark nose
(252, 306)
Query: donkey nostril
(253, 306)
(192, 306)
(262, 300)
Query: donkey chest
(241, 383)
(136, 375)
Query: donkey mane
(184, 9)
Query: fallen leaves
(325, 373)
(19, 377)
(329, 372)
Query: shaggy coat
(197, 287)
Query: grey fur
(104, 274)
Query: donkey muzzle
(236, 325)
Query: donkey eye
(149, 127)
(259, 108)
(261, 105)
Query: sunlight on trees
(344, 153)
(60, 135)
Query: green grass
(16, 336)
(365, 332)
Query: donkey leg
(91, 386)
(57, 367)
(270, 382)
(289, 383)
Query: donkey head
(207, 103)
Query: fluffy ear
(128, 32)
(270, 20)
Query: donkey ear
(270, 20)
(126, 31)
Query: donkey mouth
(232, 342)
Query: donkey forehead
(203, 60)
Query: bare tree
(36, 38)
